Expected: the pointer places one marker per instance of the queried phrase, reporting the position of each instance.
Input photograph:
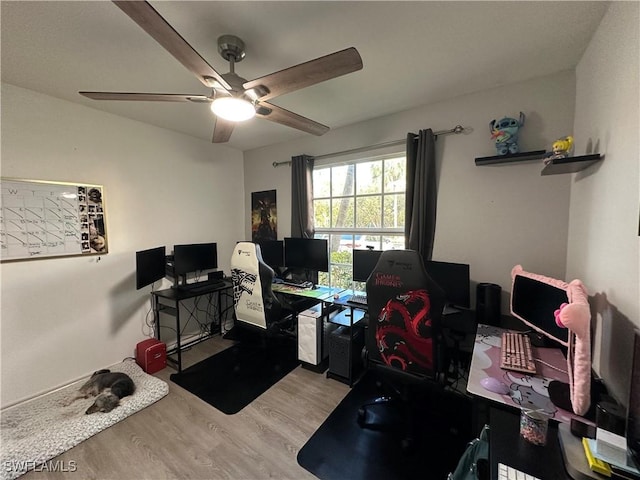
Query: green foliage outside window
(358, 205)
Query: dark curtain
(302, 197)
(421, 195)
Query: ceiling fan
(233, 98)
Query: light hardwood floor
(182, 437)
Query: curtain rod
(457, 129)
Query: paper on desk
(611, 448)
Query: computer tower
(488, 298)
(341, 347)
(313, 333)
(151, 355)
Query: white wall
(603, 243)
(492, 217)
(63, 318)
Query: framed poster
(264, 216)
(41, 219)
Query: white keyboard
(516, 353)
(359, 299)
(509, 473)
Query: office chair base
(393, 420)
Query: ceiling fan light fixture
(233, 109)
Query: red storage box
(151, 355)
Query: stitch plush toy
(505, 133)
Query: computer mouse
(495, 385)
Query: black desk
(172, 298)
(508, 447)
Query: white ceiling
(414, 53)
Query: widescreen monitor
(364, 261)
(194, 257)
(272, 252)
(454, 279)
(534, 302)
(307, 253)
(633, 415)
(150, 266)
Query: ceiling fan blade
(268, 111)
(146, 97)
(222, 130)
(306, 74)
(152, 22)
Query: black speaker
(488, 298)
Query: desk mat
(340, 449)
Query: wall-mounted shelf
(555, 166)
(511, 158)
(570, 164)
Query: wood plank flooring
(182, 437)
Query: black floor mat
(232, 379)
(341, 449)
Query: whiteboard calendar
(41, 219)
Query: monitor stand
(559, 395)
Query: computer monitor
(633, 412)
(150, 266)
(454, 279)
(194, 257)
(307, 253)
(364, 261)
(534, 302)
(272, 252)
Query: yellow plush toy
(561, 148)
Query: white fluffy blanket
(40, 429)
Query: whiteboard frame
(47, 219)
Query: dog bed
(40, 429)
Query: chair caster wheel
(362, 415)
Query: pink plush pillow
(576, 317)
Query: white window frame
(325, 232)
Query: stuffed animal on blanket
(576, 317)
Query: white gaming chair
(255, 304)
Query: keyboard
(509, 473)
(201, 287)
(299, 285)
(359, 299)
(516, 353)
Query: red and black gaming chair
(403, 337)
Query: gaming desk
(528, 391)
(168, 301)
(320, 292)
(508, 447)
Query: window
(358, 204)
